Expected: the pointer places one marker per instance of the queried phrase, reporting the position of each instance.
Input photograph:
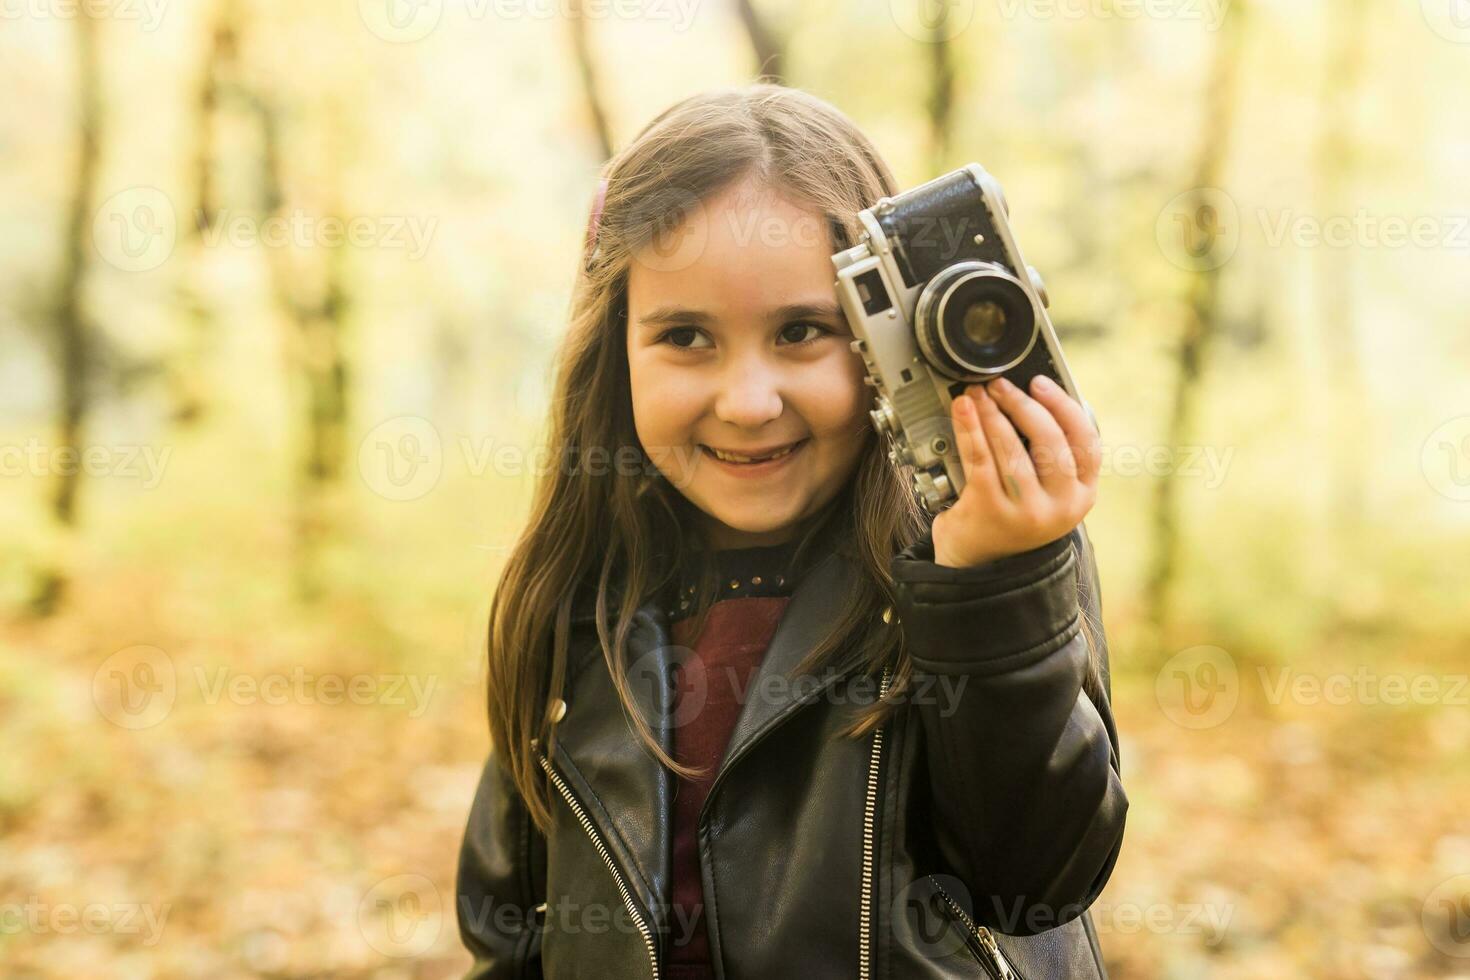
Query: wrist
(1014, 556)
(943, 557)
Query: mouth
(762, 460)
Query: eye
(800, 327)
(794, 334)
(682, 338)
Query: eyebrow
(666, 315)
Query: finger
(1017, 475)
(975, 456)
(1077, 427)
(1050, 455)
(1055, 460)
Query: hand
(1014, 501)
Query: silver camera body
(939, 298)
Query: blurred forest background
(279, 292)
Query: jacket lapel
(770, 698)
(629, 795)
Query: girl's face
(736, 344)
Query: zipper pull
(992, 949)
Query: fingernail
(1042, 383)
(1004, 384)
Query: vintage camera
(939, 298)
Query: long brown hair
(624, 534)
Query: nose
(750, 394)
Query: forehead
(740, 253)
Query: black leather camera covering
(935, 226)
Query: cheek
(836, 402)
(665, 402)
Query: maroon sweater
(716, 672)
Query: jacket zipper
(870, 807)
(602, 850)
(980, 941)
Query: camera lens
(984, 322)
(975, 319)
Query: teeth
(736, 458)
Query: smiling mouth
(742, 458)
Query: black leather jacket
(965, 839)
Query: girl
(753, 713)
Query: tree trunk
(186, 369)
(73, 332)
(1350, 421)
(587, 72)
(940, 103)
(316, 361)
(1201, 323)
(770, 54)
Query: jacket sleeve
(1025, 794)
(500, 882)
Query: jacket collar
(769, 697)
